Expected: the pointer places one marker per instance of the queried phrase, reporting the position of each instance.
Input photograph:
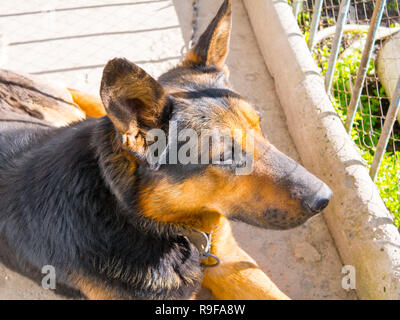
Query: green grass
(388, 181)
(368, 133)
(366, 129)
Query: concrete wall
(362, 227)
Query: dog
(84, 198)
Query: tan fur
(238, 275)
(90, 104)
(93, 290)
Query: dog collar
(202, 241)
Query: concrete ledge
(361, 226)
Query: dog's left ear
(134, 101)
(213, 45)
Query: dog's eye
(226, 158)
(231, 158)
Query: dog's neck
(120, 173)
(118, 168)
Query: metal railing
(352, 107)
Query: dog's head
(189, 176)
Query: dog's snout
(318, 202)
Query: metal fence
(356, 43)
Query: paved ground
(71, 44)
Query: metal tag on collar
(206, 251)
(202, 241)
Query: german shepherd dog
(84, 199)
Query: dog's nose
(318, 201)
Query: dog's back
(29, 110)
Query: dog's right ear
(134, 102)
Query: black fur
(64, 203)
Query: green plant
(367, 123)
(388, 182)
(366, 129)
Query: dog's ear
(213, 45)
(134, 102)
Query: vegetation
(367, 124)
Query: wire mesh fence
(382, 73)
(70, 41)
